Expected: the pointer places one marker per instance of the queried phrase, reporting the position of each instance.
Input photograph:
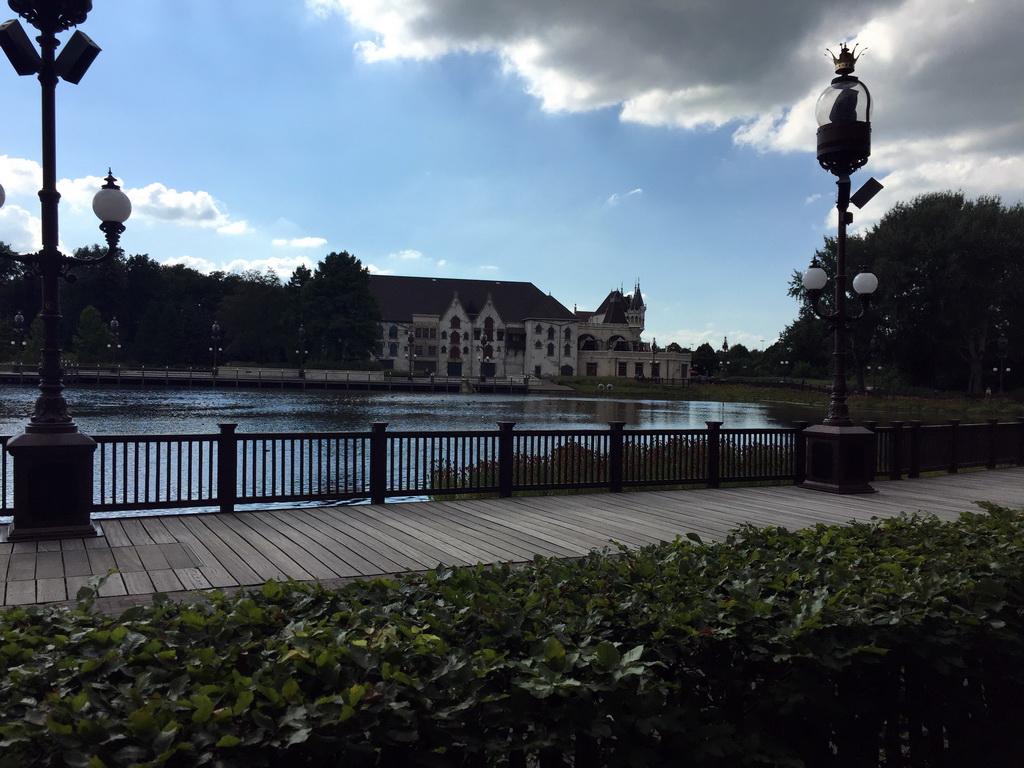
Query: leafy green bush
(854, 645)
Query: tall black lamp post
(302, 351)
(841, 454)
(19, 339)
(215, 347)
(53, 479)
(115, 343)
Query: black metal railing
(227, 469)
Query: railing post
(378, 462)
(506, 458)
(873, 426)
(714, 453)
(800, 452)
(615, 456)
(992, 432)
(896, 451)
(1020, 440)
(954, 453)
(914, 470)
(227, 467)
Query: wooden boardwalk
(184, 553)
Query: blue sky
(581, 145)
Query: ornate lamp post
(216, 347)
(52, 459)
(19, 340)
(1003, 344)
(840, 454)
(410, 352)
(302, 351)
(115, 344)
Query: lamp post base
(840, 459)
(53, 486)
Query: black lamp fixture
(840, 454)
(51, 445)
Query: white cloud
(616, 198)
(200, 265)
(300, 242)
(406, 255)
(943, 73)
(194, 209)
(282, 266)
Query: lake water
(104, 411)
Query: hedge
(894, 642)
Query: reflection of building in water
(481, 328)
(610, 342)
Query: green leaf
(554, 650)
(607, 654)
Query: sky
(581, 145)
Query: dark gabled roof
(400, 298)
(613, 308)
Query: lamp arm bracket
(28, 259)
(77, 261)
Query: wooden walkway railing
(228, 469)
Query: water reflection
(156, 411)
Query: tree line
(949, 308)
(165, 314)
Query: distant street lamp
(19, 339)
(874, 375)
(115, 344)
(53, 479)
(411, 353)
(840, 454)
(784, 364)
(481, 356)
(216, 349)
(302, 351)
(1003, 344)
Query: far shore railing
(228, 469)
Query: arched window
(444, 334)
(537, 344)
(455, 338)
(568, 350)
(568, 335)
(393, 350)
(551, 333)
(393, 332)
(551, 350)
(537, 329)
(489, 327)
(456, 322)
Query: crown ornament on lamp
(846, 61)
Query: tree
(342, 317)
(257, 313)
(951, 280)
(705, 360)
(92, 338)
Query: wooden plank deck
(178, 554)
